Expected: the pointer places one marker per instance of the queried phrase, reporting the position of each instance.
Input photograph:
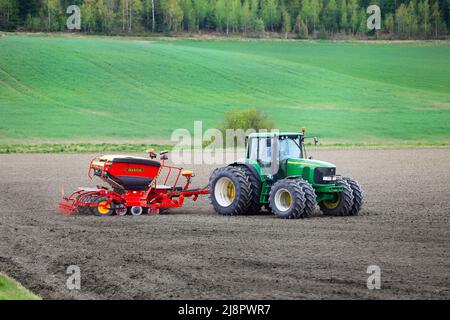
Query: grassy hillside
(12, 290)
(98, 89)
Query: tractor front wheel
(357, 193)
(230, 191)
(310, 198)
(342, 203)
(287, 199)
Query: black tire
(239, 202)
(342, 205)
(163, 211)
(358, 195)
(136, 211)
(98, 210)
(254, 206)
(120, 209)
(310, 198)
(287, 209)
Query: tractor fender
(249, 167)
(293, 177)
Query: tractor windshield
(290, 147)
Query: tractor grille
(319, 173)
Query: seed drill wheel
(342, 203)
(121, 209)
(230, 191)
(102, 207)
(287, 199)
(136, 210)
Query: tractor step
(265, 190)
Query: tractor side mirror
(316, 141)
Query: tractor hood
(309, 163)
(313, 171)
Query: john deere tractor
(277, 175)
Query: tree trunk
(153, 15)
(129, 13)
(8, 12)
(49, 18)
(123, 18)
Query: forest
(306, 19)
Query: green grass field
(81, 89)
(12, 290)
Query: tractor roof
(273, 134)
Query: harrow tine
(66, 207)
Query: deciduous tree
(270, 14)
(424, 16)
(286, 22)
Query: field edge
(79, 148)
(111, 147)
(10, 289)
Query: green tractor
(278, 176)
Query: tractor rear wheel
(342, 203)
(255, 205)
(287, 199)
(230, 191)
(102, 207)
(310, 198)
(357, 193)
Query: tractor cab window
(253, 149)
(260, 149)
(290, 147)
(265, 152)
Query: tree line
(407, 19)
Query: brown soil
(194, 253)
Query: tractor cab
(272, 150)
